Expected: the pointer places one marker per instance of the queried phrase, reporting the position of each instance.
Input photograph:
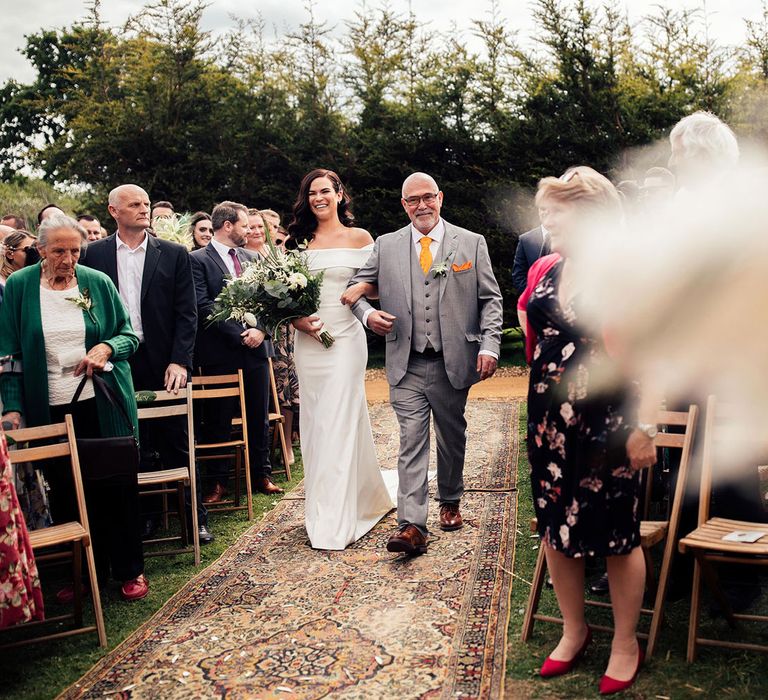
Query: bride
(345, 491)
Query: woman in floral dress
(584, 444)
(21, 599)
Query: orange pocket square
(461, 268)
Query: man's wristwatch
(650, 429)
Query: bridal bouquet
(274, 289)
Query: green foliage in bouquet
(273, 289)
(175, 229)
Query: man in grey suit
(442, 316)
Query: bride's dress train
(345, 492)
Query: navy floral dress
(585, 493)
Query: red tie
(236, 262)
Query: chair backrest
(165, 404)
(684, 442)
(221, 386)
(58, 441)
(726, 433)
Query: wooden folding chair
(708, 547)
(276, 421)
(236, 448)
(652, 532)
(76, 534)
(174, 479)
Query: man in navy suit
(530, 247)
(154, 278)
(226, 346)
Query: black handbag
(109, 457)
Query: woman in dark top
(585, 444)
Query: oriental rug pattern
(273, 618)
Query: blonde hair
(583, 187)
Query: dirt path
(497, 387)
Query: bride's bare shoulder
(360, 237)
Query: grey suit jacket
(471, 310)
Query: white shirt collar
(436, 234)
(222, 249)
(122, 244)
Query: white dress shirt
(130, 272)
(223, 252)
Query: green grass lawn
(717, 672)
(45, 669)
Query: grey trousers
(426, 391)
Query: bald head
(419, 179)
(422, 201)
(129, 207)
(4, 231)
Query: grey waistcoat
(426, 304)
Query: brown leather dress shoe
(409, 540)
(215, 496)
(265, 485)
(450, 517)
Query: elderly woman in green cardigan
(63, 321)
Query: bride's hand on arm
(311, 325)
(361, 289)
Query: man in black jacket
(226, 346)
(154, 278)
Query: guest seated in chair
(61, 320)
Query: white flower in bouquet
(297, 280)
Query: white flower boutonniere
(83, 301)
(440, 269)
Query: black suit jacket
(220, 343)
(168, 305)
(530, 247)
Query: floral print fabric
(286, 381)
(585, 493)
(21, 599)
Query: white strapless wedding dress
(345, 491)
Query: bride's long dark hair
(302, 227)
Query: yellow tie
(425, 257)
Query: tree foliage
(197, 118)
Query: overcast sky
(22, 17)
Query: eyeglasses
(428, 198)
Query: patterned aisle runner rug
(273, 618)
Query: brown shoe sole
(405, 548)
(450, 528)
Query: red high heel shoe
(610, 685)
(551, 668)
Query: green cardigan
(21, 335)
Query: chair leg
(96, 596)
(693, 621)
(166, 524)
(77, 581)
(535, 595)
(248, 487)
(185, 540)
(238, 469)
(661, 597)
